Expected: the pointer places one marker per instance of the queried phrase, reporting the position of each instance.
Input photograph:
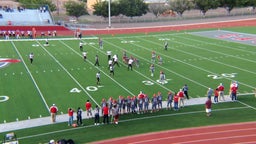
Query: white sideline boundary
(17, 125)
(134, 119)
(50, 39)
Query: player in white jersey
(98, 78)
(84, 55)
(81, 46)
(130, 64)
(31, 57)
(109, 54)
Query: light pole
(109, 14)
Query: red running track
(218, 134)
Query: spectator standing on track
(216, 95)
(169, 100)
(70, 116)
(105, 114)
(53, 111)
(79, 116)
(97, 115)
(208, 107)
(185, 90)
(98, 78)
(31, 57)
(221, 92)
(88, 107)
(97, 61)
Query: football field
(59, 74)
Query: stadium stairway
(12, 126)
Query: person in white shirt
(110, 62)
(81, 46)
(115, 57)
(109, 54)
(84, 55)
(98, 78)
(130, 64)
(31, 57)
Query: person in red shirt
(88, 107)
(176, 102)
(53, 111)
(221, 91)
(208, 107)
(181, 98)
(233, 91)
(216, 95)
(70, 116)
(105, 110)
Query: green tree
(228, 5)
(75, 9)
(132, 8)
(35, 4)
(157, 8)
(101, 9)
(180, 6)
(246, 3)
(205, 5)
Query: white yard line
(133, 119)
(202, 69)
(137, 72)
(212, 51)
(100, 70)
(32, 78)
(148, 60)
(70, 75)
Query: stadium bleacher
(17, 19)
(11, 16)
